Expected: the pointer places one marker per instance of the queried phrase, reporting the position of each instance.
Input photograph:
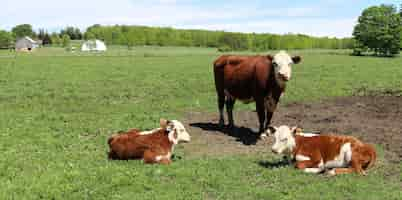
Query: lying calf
(316, 153)
(155, 146)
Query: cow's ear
(271, 130)
(170, 125)
(163, 123)
(270, 57)
(296, 130)
(296, 59)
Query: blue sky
(334, 18)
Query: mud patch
(373, 119)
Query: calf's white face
(282, 65)
(284, 139)
(177, 132)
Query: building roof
(30, 39)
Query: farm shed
(26, 44)
(93, 45)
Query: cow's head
(282, 65)
(176, 131)
(284, 139)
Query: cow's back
(329, 145)
(242, 76)
(132, 145)
(128, 145)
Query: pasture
(58, 109)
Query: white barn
(26, 44)
(93, 45)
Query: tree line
(141, 35)
(130, 36)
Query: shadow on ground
(274, 164)
(242, 134)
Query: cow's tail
(219, 65)
(221, 61)
(111, 155)
(111, 138)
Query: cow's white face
(177, 132)
(282, 65)
(284, 139)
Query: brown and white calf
(155, 146)
(315, 153)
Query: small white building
(26, 44)
(93, 45)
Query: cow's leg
(229, 109)
(220, 92)
(357, 164)
(311, 166)
(260, 107)
(165, 161)
(149, 157)
(112, 155)
(221, 104)
(337, 171)
(268, 118)
(313, 170)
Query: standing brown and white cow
(252, 78)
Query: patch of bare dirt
(373, 119)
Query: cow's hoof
(221, 124)
(330, 173)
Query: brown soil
(373, 119)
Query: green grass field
(58, 108)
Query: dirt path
(374, 119)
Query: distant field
(58, 108)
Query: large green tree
(5, 39)
(23, 30)
(379, 29)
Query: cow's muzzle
(283, 77)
